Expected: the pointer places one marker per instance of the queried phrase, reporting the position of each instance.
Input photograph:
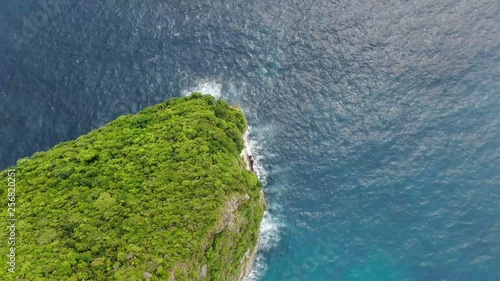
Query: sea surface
(375, 124)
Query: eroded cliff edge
(248, 260)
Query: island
(164, 194)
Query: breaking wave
(210, 87)
(269, 228)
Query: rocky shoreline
(249, 259)
(247, 157)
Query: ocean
(375, 124)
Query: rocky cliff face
(248, 260)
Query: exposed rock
(146, 275)
(203, 272)
(229, 221)
(171, 277)
(247, 263)
(130, 256)
(245, 154)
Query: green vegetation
(159, 195)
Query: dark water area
(376, 124)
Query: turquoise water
(376, 125)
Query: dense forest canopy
(159, 195)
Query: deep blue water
(376, 123)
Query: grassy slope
(145, 193)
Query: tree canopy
(159, 195)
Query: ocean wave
(269, 228)
(269, 238)
(254, 149)
(206, 86)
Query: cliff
(160, 195)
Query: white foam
(254, 149)
(209, 87)
(269, 228)
(269, 238)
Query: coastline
(247, 158)
(249, 259)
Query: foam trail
(269, 238)
(212, 88)
(269, 228)
(253, 149)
